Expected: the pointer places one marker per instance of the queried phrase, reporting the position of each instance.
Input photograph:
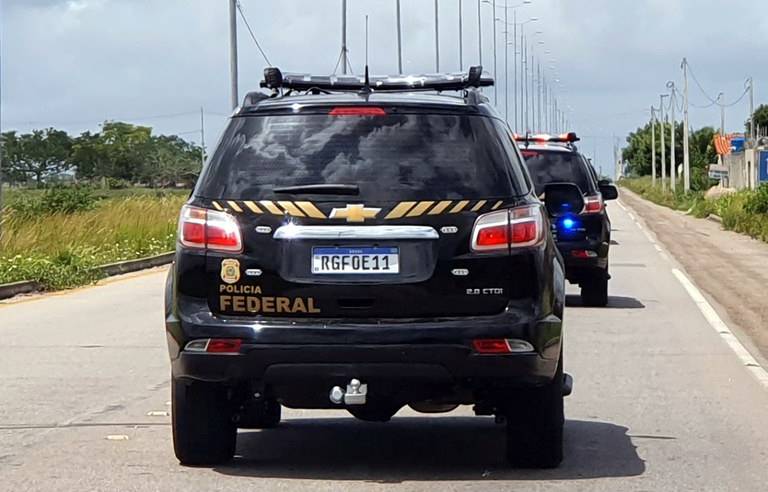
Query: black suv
(583, 236)
(365, 245)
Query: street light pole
(399, 40)
(235, 98)
(437, 37)
(506, 63)
(461, 37)
(480, 33)
(495, 72)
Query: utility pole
(235, 97)
(672, 163)
(653, 146)
(461, 37)
(663, 144)
(480, 32)
(437, 37)
(399, 41)
(686, 138)
(720, 103)
(202, 137)
(752, 129)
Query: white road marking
(631, 216)
(622, 206)
(117, 437)
(722, 329)
(658, 248)
(650, 238)
(161, 413)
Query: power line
(253, 36)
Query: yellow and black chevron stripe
(407, 209)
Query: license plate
(359, 261)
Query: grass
(61, 250)
(745, 211)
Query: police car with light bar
(367, 244)
(583, 234)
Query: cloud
(74, 63)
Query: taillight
(504, 229)
(202, 228)
(593, 204)
(357, 111)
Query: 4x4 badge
(355, 213)
(230, 270)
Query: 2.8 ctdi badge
(230, 270)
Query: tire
(535, 420)
(594, 292)
(203, 429)
(261, 414)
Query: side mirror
(563, 199)
(609, 191)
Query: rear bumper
(412, 355)
(579, 268)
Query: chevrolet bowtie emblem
(355, 213)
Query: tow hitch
(355, 394)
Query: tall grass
(60, 250)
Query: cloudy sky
(74, 63)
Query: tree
(637, 154)
(36, 155)
(761, 118)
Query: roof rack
(274, 79)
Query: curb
(10, 290)
(136, 265)
(16, 288)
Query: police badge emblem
(230, 270)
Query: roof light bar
(569, 137)
(274, 79)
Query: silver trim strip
(292, 231)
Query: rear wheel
(260, 414)
(203, 429)
(594, 291)
(535, 420)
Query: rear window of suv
(392, 157)
(552, 166)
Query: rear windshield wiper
(320, 189)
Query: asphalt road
(660, 402)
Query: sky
(73, 64)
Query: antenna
(367, 84)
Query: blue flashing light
(568, 223)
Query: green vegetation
(58, 236)
(119, 156)
(745, 211)
(638, 156)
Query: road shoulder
(730, 268)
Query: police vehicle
(366, 244)
(584, 235)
